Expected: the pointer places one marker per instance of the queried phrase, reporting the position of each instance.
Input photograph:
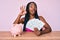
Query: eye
(30, 6)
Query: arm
(46, 26)
(18, 20)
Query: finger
(21, 7)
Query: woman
(31, 12)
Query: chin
(32, 13)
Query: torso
(40, 17)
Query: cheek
(30, 9)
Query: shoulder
(41, 17)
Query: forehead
(32, 4)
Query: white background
(49, 9)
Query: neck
(31, 16)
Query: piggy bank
(16, 29)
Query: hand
(35, 29)
(37, 32)
(43, 28)
(23, 11)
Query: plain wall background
(49, 9)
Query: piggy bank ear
(14, 24)
(22, 25)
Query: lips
(33, 11)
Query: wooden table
(30, 36)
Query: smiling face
(32, 8)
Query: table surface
(55, 35)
